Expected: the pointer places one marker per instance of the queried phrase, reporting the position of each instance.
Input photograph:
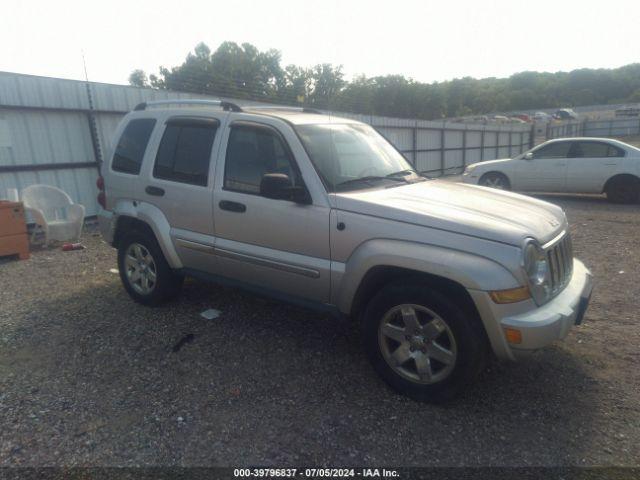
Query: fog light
(511, 295)
(513, 335)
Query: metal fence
(619, 127)
(446, 150)
(56, 132)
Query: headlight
(469, 169)
(534, 263)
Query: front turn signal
(511, 295)
(513, 335)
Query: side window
(185, 151)
(553, 150)
(615, 152)
(589, 150)
(252, 152)
(595, 150)
(131, 146)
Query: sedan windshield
(353, 156)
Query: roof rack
(227, 106)
(276, 107)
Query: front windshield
(353, 156)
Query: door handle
(156, 191)
(232, 206)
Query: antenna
(84, 64)
(93, 129)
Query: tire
(447, 326)
(495, 180)
(623, 189)
(140, 257)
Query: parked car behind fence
(575, 165)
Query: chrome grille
(560, 261)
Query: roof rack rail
(276, 107)
(227, 106)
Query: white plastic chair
(54, 212)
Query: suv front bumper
(538, 326)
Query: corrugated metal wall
(619, 127)
(45, 134)
(446, 147)
(36, 137)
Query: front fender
(152, 216)
(469, 270)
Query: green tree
(295, 85)
(327, 83)
(243, 71)
(138, 78)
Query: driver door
(277, 245)
(546, 171)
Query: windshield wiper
(402, 173)
(405, 173)
(367, 179)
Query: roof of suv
(298, 117)
(293, 115)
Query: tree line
(245, 72)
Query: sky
(425, 40)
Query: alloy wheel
(140, 267)
(417, 343)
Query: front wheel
(495, 180)
(421, 343)
(145, 273)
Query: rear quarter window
(615, 152)
(129, 152)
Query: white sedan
(574, 165)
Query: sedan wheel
(495, 180)
(623, 189)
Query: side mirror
(528, 156)
(278, 186)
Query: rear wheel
(495, 180)
(421, 343)
(145, 273)
(623, 189)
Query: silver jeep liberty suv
(324, 212)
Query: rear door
(546, 171)
(179, 181)
(590, 164)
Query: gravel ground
(87, 377)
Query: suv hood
(467, 209)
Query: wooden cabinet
(13, 230)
